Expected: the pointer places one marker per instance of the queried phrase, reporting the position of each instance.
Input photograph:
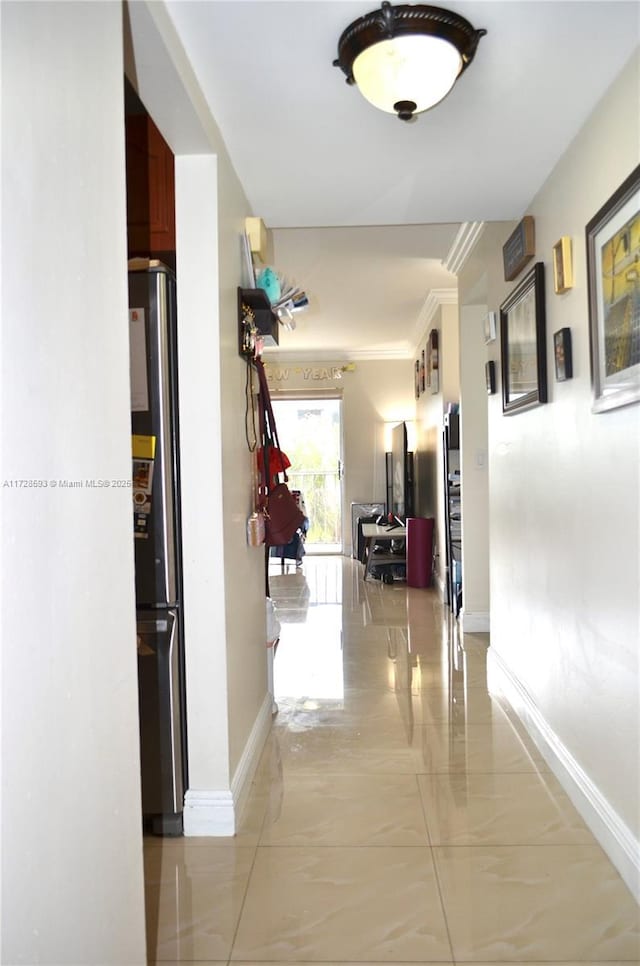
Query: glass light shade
(422, 69)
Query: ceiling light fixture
(406, 58)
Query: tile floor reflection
(399, 813)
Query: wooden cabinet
(151, 223)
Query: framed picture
(422, 373)
(433, 360)
(489, 324)
(519, 248)
(562, 354)
(417, 379)
(562, 267)
(523, 344)
(490, 376)
(613, 276)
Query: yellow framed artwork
(613, 275)
(562, 267)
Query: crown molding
(433, 301)
(463, 244)
(279, 356)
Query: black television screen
(402, 489)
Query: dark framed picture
(519, 248)
(613, 277)
(422, 373)
(562, 354)
(523, 344)
(433, 361)
(490, 376)
(417, 379)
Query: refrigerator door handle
(176, 765)
(166, 469)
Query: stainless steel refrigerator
(157, 541)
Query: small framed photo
(417, 379)
(562, 354)
(490, 376)
(489, 324)
(613, 276)
(562, 267)
(423, 373)
(433, 362)
(523, 344)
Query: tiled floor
(398, 815)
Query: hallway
(398, 815)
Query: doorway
(310, 431)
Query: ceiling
(367, 287)
(319, 164)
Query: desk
(373, 533)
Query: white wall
(474, 470)
(565, 520)
(249, 705)
(430, 408)
(481, 288)
(376, 394)
(71, 835)
(204, 578)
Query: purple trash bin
(419, 551)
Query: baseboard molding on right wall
(615, 837)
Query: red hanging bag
(283, 516)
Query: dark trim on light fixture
(405, 109)
(404, 20)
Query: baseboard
(474, 623)
(217, 813)
(243, 776)
(612, 833)
(209, 813)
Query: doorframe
(293, 395)
(155, 65)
